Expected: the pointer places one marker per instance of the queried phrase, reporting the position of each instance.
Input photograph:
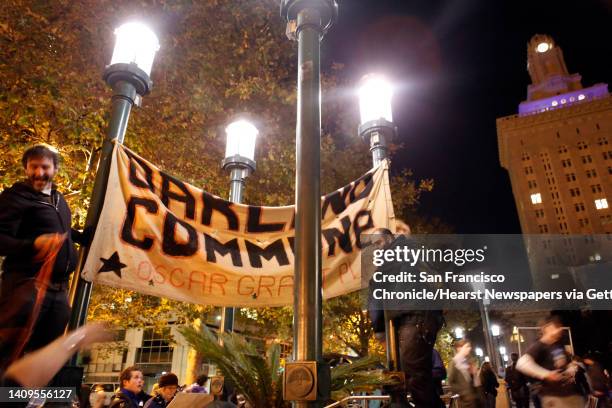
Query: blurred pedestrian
(547, 361)
(489, 384)
(199, 386)
(461, 376)
(517, 383)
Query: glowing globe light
(241, 137)
(135, 44)
(375, 97)
(542, 47)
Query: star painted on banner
(112, 264)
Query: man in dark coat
(517, 382)
(416, 330)
(32, 215)
(128, 395)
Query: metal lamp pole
(310, 19)
(239, 160)
(128, 76)
(376, 128)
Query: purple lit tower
(558, 153)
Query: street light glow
(479, 352)
(495, 330)
(375, 99)
(459, 332)
(502, 350)
(241, 136)
(505, 358)
(135, 43)
(542, 47)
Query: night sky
(458, 66)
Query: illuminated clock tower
(558, 153)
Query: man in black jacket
(32, 214)
(416, 331)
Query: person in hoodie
(32, 215)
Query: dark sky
(459, 65)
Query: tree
(217, 58)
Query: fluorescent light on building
(536, 198)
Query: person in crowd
(416, 330)
(547, 361)
(35, 231)
(461, 376)
(489, 384)
(168, 385)
(129, 395)
(97, 397)
(224, 400)
(438, 374)
(517, 383)
(199, 386)
(598, 380)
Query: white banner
(160, 236)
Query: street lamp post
(128, 76)
(310, 19)
(376, 129)
(496, 332)
(239, 160)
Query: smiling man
(33, 214)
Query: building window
(596, 188)
(587, 159)
(525, 156)
(581, 145)
(543, 228)
(602, 141)
(607, 155)
(591, 173)
(597, 126)
(575, 192)
(532, 183)
(601, 203)
(583, 222)
(566, 163)
(570, 176)
(536, 198)
(579, 207)
(155, 348)
(528, 170)
(563, 149)
(539, 213)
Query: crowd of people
(546, 375)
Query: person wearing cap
(168, 385)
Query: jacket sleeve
(11, 214)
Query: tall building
(558, 148)
(558, 152)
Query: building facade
(558, 152)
